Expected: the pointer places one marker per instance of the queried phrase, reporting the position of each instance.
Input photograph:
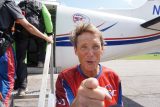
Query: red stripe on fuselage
(133, 37)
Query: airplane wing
(152, 24)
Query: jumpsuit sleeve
(120, 102)
(64, 94)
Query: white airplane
(125, 32)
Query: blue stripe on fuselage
(62, 38)
(116, 42)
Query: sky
(98, 4)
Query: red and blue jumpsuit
(9, 13)
(70, 79)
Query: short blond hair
(85, 27)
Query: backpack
(32, 12)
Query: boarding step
(29, 94)
(38, 70)
(34, 70)
(28, 100)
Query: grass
(145, 57)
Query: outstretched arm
(90, 94)
(33, 30)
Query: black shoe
(15, 87)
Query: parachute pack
(32, 10)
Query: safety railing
(48, 66)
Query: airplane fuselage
(123, 35)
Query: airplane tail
(149, 10)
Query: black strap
(6, 36)
(1, 34)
